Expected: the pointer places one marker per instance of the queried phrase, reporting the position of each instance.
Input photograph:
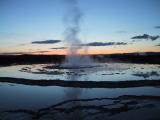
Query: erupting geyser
(72, 21)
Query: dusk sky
(119, 26)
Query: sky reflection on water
(16, 96)
(107, 72)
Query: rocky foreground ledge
(126, 107)
(82, 84)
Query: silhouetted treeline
(30, 59)
(150, 58)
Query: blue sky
(23, 21)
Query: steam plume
(72, 26)
(72, 22)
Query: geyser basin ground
(70, 66)
(92, 72)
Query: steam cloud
(72, 22)
(72, 26)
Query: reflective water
(33, 97)
(28, 97)
(106, 72)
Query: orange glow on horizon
(83, 51)
(98, 51)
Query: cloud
(121, 31)
(39, 52)
(56, 48)
(96, 44)
(46, 42)
(104, 43)
(146, 36)
(21, 53)
(158, 45)
(12, 53)
(157, 27)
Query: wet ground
(95, 72)
(29, 100)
